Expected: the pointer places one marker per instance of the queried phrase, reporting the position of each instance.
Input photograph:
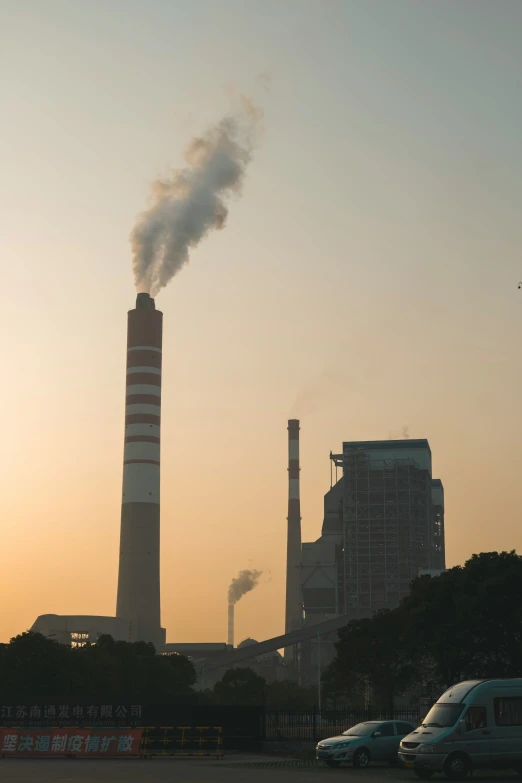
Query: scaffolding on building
(387, 528)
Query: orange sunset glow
(365, 281)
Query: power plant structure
(383, 523)
(383, 526)
(138, 611)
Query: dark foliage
(242, 686)
(463, 624)
(38, 670)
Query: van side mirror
(376, 734)
(462, 727)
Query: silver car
(373, 740)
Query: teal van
(475, 724)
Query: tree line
(464, 624)
(36, 670)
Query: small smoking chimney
(293, 550)
(244, 582)
(231, 625)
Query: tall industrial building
(383, 523)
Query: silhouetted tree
(465, 623)
(469, 619)
(373, 652)
(38, 670)
(32, 667)
(240, 686)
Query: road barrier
(182, 741)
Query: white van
(474, 724)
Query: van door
(476, 741)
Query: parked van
(474, 724)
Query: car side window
(476, 718)
(386, 730)
(404, 728)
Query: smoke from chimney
(191, 202)
(243, 583)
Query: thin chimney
(231, 625)
(293, 551)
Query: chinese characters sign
(70, 714)
(69, 741)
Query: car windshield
(443, 715)
(361, 730)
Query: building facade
(383, 522)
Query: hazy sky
(369, 272)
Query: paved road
(247, 769)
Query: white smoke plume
(243, 583)
(191, 202)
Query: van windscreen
(443, 715)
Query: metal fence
(314, 725)
(245, 728)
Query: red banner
(70, 742)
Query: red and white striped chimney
(293, 551)
(139, 573)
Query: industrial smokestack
(139, 571)
(243, 583)
(231, 625)
(293, 549)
